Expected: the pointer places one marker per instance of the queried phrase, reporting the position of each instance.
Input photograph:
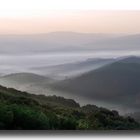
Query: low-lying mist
(61, 56)
(22, 63)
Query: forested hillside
(24, 111)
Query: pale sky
(94, 16)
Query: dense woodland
(24, 111)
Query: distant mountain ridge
(66, 42)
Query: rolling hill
(26, 82)
(71, 69)
(117, 83)
(38, 81)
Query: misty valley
(70, 81)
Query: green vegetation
(24, 111)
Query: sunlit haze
(42, 16)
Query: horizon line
(74, 32)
